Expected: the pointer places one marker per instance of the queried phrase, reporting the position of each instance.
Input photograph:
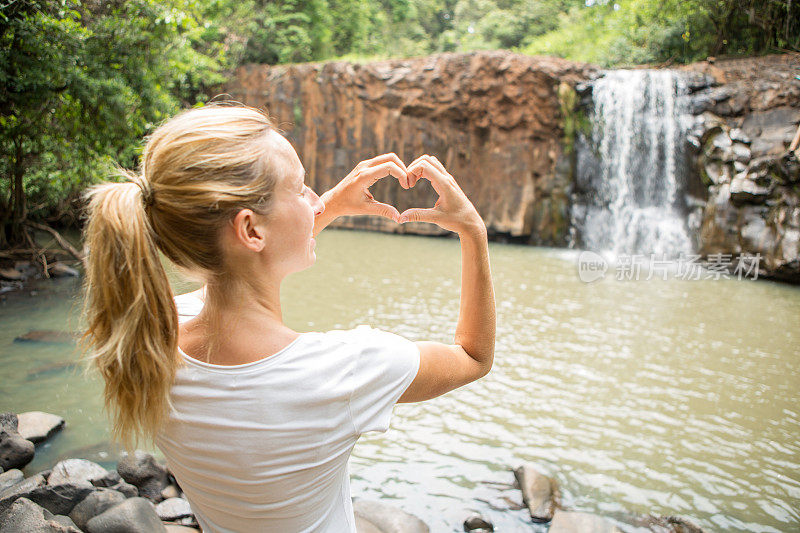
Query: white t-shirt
(264, 446)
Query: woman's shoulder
(189, 305)
(358, 334)
(369, 337)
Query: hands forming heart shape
(453, 211)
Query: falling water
(630, 172)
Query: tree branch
(57, 236)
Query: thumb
(419, 215)
(383, 210)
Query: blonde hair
(198, 170)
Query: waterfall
(630, 171)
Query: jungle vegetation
(83, 81)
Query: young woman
(257, 421)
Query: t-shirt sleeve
(383, 369)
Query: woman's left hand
(351, 196)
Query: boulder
(15, 450)
(173, 508)
(573, 522)
(110, 478)
(365, 526)
(134, 515)
(77, 471)
(93, 504)
(37, 426)
(61, 498)
(377, 516)
(171, 491)
(478, 523)
(539, 492)
(141, 470)
(668, 524)
(66, 522)
(114, 481)
(20, 490)
(10, 478)
(25, 516)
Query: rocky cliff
(504, 125)
(494, 119)
(748, 113)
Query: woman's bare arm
(444, 367)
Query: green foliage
(81, 84)
(628, 32)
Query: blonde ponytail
(198, 170)
(132, 319)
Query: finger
(433, 160)
(412, 178)
(419, 215)
(370, 175)
(385, 158)
(438, 164)
(424, 169)
(417, 160)
(383, 210)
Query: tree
(81, 84)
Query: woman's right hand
(453, 211)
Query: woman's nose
(317, 204)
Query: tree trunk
(18, 232)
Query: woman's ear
(249, 231)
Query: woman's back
(264, 446)
(258, 443)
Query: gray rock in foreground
(23, 489)
(376, 516)
(77, 471)
(134, 515)
(478, 523)
(539, 493)
(668, 524)
(93, 504)
(573, 522)
(10, 478)
(15, 451)
(37, 426)
(173, 508)
(25, 516)
(142, 471)
(113, 480)
(365, 526)
(61, 498)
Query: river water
(666, 397)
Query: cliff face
(494, 119)
(504, 126)
(748, 113)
